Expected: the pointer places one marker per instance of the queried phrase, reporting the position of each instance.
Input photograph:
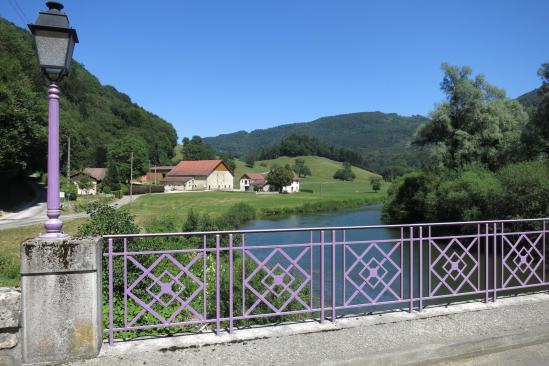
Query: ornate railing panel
(192, 281)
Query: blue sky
(212, 67)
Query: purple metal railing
(327, 271)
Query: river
(384, 284)
(369, 215)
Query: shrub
(106, 220)
(406, 198)
(525, 189)
(471, 194)
(345, 173)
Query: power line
(18, 11)
(22, 12)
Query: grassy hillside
(322, 169)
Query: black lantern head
(54, 41)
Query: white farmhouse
(294, 187)
(199, 175)
(249, 180)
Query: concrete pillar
(61, 299)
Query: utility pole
(69, 162)
(149, 183)
(131, 176)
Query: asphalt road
(36, 213)
(537, 355)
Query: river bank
(332, 197)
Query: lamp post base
(53, 229)
(53, 236)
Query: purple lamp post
(54, 42)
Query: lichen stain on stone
(63, 253)
(28, 250)
(83, 336)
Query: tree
(119, 155)
(301, 169)
(228, 160)
(346, 173)
(196, 149)
(477, 123)
(536, 134)
(375, 183)
(85, 182)
(249, 159)
(280, 177)
(300, 145)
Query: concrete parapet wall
(61, 299)
(10, 315)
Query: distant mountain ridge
(381, 137)
(530, 100)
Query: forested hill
(530, 100)
(93, 115)
(382, 138)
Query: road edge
(436, 354)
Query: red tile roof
(190, 168)
(256, 177)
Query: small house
(249, 181)
(294, 187)
(95, 175)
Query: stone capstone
(10, 300)
(68, 255)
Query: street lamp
(54, 42)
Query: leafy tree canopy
(228, 160)
(119, 158)
(280, 177)
(375, 183)
(196, 149)
(301, 169)
(477, 123)
(299, 145)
